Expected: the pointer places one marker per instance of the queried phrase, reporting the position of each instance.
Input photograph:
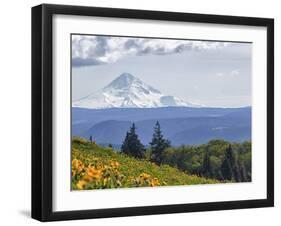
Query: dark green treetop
(132, 145)
(158, 144)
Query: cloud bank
(96, 50)
(232, 73)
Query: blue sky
(215, 74)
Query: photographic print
(139, 112)
(150, 112)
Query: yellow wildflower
(81, 184)
(94, 173)
(154, 182)
(115, 164)
(144, 176)
(77, 165)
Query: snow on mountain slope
(127, 91)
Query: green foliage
(207, 169)
(132, 145)
(158, 144)
(230, 168)
(227, 167)
(209, 160)
(242, 171)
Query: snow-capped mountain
(127, 91)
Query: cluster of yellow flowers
(77, 167)
(97, 167)
(98, 175)
(145, 179)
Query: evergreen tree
(227, 164)
(242, 170)
(158, 144)
(236, 171)
(132, 145)
(207, 170)
(125, 144)
(230, 168)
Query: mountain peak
(126, 75)
(122, 81)
(127, 91)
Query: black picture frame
(42, 196)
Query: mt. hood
(127, 91)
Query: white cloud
(95, 50)
(232, 73)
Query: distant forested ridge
(181, 125)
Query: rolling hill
(95, 167)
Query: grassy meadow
(97, 167)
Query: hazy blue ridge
(182, 125)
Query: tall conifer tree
(132, 145)
(242, 170)
(227, 164)
(207, 169)
(158, 144)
